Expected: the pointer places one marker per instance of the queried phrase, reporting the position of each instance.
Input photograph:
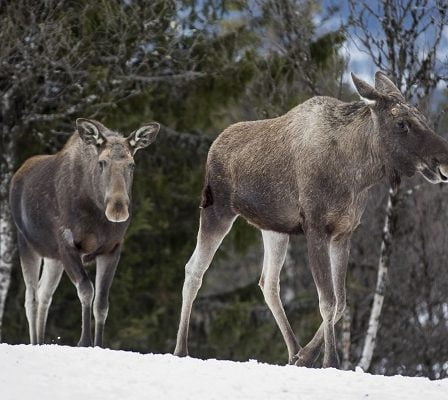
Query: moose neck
(361, 145)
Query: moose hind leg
(275, 247)
(51, 276)
(31, 264)
(212, 230)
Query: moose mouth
(434, 174)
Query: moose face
(408, 144)
(112, 173)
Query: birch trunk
(389, 229)
(346, 338)
(6, 232)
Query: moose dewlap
(71, 208)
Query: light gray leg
(106, 265)
(339, 255)
(212, 231)
(49, 281)
(340, 252)
(31, 264)
(275, 247)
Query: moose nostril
(118, 206)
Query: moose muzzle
(434, 173)
(117, 209)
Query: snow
(59, 372)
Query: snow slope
(58, 372)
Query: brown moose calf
(71, 208)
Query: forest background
(196, 67)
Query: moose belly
(40, 235)
(270, 211)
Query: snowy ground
(58, 372)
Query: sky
(359, 60)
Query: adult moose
(71, 208)
(309, 170)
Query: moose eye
(102, 165)
(402, 126)
(131, 166)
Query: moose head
(112, 173)
(408, 143)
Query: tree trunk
(346, 338)
(6, 232)
(389, 229)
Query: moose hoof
(301, 362)
(293, 359)
(85, 343)
(304, 359)
(181, 353)
(332, 362)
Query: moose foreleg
(30, 263)
(75, 271)
(106, 265)
(339, 255)
(320, 265)
(51, 275)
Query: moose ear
(385, 85)
(90, 131)
(143, 136)
(366, 91)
